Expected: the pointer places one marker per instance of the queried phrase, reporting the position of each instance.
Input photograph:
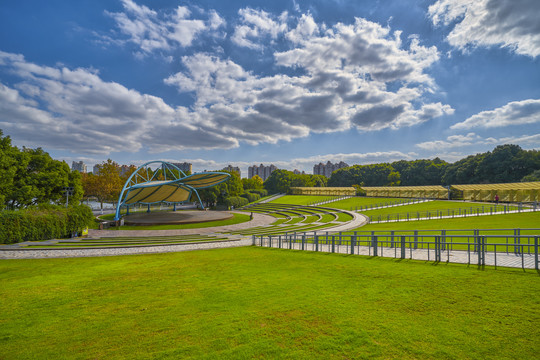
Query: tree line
(505, 164)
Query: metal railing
(508, 250)
(451, 213)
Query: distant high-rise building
(185, 167)
(78, 166)
(231, 168)
(261, 170)
(298, 172)
(95, 169)
(126, 169)
(328, 168)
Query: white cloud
(351, 76)
(513, 113)
(305, 164)
(472, 139)
(76, 110)
(256, 25)
(346, 72)
(151, 31)
(512, 24)
(451, 142)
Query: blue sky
(287, 82)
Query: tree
(7, 167)
(30, 177)
(534, 176)
(105, 186)
(255, 183)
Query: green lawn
(246, 303)
(503, 221)
(358, 201)
(301, 199)
(421, 209)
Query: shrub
(251, 197)
(43, 223)
(260, 192)
(236, 201)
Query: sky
(284, 82)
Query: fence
(509, 250)
(451, 213)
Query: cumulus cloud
(256, 25)
(150, 30)
(358, 75)
(305, 163)
(513, 113)
(472, 139)
(451, 142)
(344, 83)
(76, 110)
(506, 23)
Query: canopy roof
(166, 184)
(508, 186)
(405, 188)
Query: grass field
(503, 221)
(358, 201)
(250, 302)
(445, 207)
(301, 199)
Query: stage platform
(175, 217)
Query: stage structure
(166, 184)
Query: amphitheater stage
(175, 217)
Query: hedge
(43, 223)
(236, 201)
(251, 197)
(261, 192)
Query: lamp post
(69, 191)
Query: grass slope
(505, 221)
(300, 199)
(250, 302)
(358, 201)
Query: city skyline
(287, 83)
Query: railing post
(536, 252)
(374, 244)
(279, 241)
(303, 241)
(403, 246)
(516, 241)
(443, 239)
(353, 241)
(437, 249)
(415, 239)
(316, 239)
(333, 243)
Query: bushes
(261, 192)
(236, 201)
(251, 197)
(43, 223)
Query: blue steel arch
(142, 181)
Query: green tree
(8, 167)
